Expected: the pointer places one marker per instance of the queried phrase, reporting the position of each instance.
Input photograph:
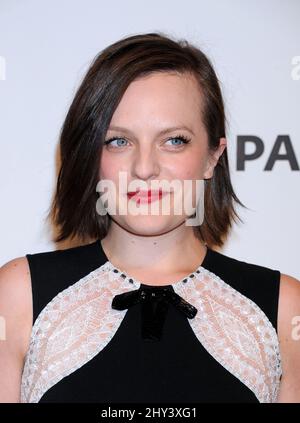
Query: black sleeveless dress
(177, 368)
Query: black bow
(155, 302)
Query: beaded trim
(108, 266)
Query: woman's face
(144, 153)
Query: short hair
(73, 207)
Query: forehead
(161, 97)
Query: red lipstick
(142, 196)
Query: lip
(146, 196)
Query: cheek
(109, 168)
(190, 169)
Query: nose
(145, 164)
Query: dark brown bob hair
(73, 208)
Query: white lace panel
(79, 322)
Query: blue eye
(114, 139)
(182, 138)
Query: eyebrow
(164, 131)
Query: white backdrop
(45, 49)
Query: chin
(151, 225)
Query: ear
(213, 159)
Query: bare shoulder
(16, 325)
(289, 338)
(16, 298)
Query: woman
(148, 311)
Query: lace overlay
(79, 322)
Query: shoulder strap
(258, 283)
(53, 271)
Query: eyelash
(183, 138)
